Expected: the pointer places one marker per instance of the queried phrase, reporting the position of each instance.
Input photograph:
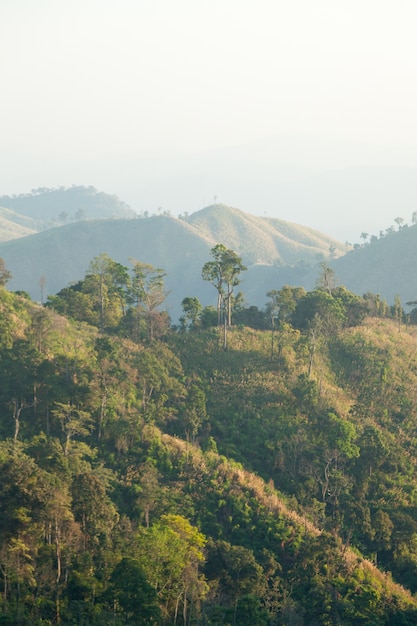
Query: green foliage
(112, 514)
(192, 310)
(132, 594)
(114, 301)
(223, 273)
(147, 294)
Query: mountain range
(51, 236)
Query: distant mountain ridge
(262, 239)
(385, 266)
(61, 255)
(275, 251)
(45, 208)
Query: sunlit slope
(13, 225)
(263, 240)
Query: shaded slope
(385, 266)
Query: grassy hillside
(13, 225)
(262, 240)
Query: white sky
(91, 86)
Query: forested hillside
(243, 467)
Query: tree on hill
(147, 294)
(107, 281)
(192, 310)
(223, 273)
(100, 298)
(327, 278)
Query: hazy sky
(125, 94)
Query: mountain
(46, 207)
(275, 251)
(262, 240)
(385, 266)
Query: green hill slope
(128, 492)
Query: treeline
(129, 302)
(126, 444)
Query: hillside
(386, 266)
(51, 207)
(262, 240)
(13, 225)
(276, 252)
(61, 255)
(129, 493)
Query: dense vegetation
(149, 476)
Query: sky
(275, 107)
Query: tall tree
(171, 553)
(327, 278)
(223, 272)
(18, 372)
(107, 281)
(147, 294)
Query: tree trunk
(225, 333)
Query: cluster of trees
(127, 448)
(115, 300)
